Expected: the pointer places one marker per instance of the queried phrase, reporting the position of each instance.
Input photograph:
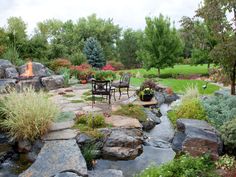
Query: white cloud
(126, 13)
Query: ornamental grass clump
(191, 92)
(27, 115)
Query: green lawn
(178, 69)
(179, 86)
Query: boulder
(24, 146)
(152, 115)
(197, 137)
(56, 157)
(5, 63)
(159, 96)
(11, 73)
(38, 69)
(2, 72)
(67, 174)
(158, 143)
(169, 98)
(148, 125)
(6, 84)
(83, 139)
(53, 82)
(122, 143)
(105, 173)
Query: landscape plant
(28, 114)
(220, 109)
(161, 45)
(228, 134)
(189, 109)
(94, 53)
(133, 111)
(184, 166)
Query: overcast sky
(126, 13)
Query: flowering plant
(108, 67)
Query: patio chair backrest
(125, 78)
(101, 87)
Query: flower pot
(83, 81)
(146, 97)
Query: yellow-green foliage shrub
(27, 114)
(92, 121)
(189, 109)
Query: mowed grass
(178, 69)
(179, 86)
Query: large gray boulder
(56, 157)
(196, 137)
(105, 173)
(122, 144)
(38, 69)
(11, 73)
(7, 84)
(53, 82)
(3, 65)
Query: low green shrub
(92, 121)
(134, 111)
(189, 109)
(220, 109)
(27, 114)
(228, 134)
(184, 166)
(226, 162)
(66, 74)
(89, 152)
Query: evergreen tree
(94, 53)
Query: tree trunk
(208, 65)
(159, 72)
(233, 77)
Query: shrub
(105, 75)
(189, 109)
(148, 84)
(134, 111)
(92, 121)
(77, 58)
(150, 76)
(28, 114)
(108, 67)
(226, 162)
(116, 65)
(228, 134)
(184, 166)
(66, 74)
(59, 63)
(220, 109)
(83, 71)
(191, 92)
(219, 75)
(89, 152)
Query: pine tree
(94, 53)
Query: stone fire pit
(43, 78)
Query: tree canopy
(161, 44)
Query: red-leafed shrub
(108, 67)
(83, 71)
(59, 63)
(116, 64)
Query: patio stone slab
(56, 157)
(145, 103)
(57, 126)
(61, 135)
(123, 121)
(91, 109)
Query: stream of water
(161, 133)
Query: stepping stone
(106, 173)
(56, 157)
(91, 109)
(57, 126)
(146, 103)
(61, 135)
(123, 121)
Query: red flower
(108, 67)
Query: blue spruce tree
(94, 53)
